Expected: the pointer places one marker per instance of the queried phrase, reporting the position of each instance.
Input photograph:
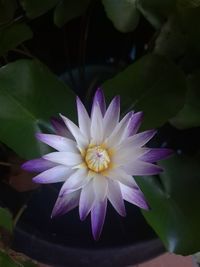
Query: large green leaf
(172, 41)
(7, 10)
(156, 11)
(189, 116)
(123, 14)
(29, 95)
(12, 36)
(154, 85)
(67, 10)
(174, 203)
(35, 8)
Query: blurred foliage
(164, 82)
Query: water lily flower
(97, 161)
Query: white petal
(81, 140)
(58, 142)
(127, 154)
(139, 139)
(96, 125)
(118, 132)
(121, 176)
(100, 184)
(100, 99)
(111, 117)
(98, 214)
(83, 119)
(57, 174)
(115, 197)
(76, 181)
(142, 168)
(65, 158)
(87, 198)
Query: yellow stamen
(97, 158)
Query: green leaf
(7, 10)
(189, 116)
(29, 96)
(123, 14)
(172, 41)
(36, 8)
(6, 220)
(174, 203)
(13, 35)
(152, 84)
(156, 11)
(7, 261)
(67, 10)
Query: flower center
(97, 159)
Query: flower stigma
(97, 158)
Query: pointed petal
(60, 128)
(54, 175)
(156, 154)
(127, 154)
(65, 158)
(134, 124)
(98, 214)
(86, 202)
(76, 181)
(100, 184)
(121, 176)
(134, 196)
(115, 197)
(75, 131)
(96, 125)
(142, 168)
(111, 117)
(138, 140)
(100, 99)
(58, 142)
(66, 203)
(115, 137)
(83, 119)
(38, 165)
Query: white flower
(96, 161)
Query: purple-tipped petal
(58, 142)
(38, 165)
(86, 202)
(134, 196)
(60, 128)
(98, 214)
(54, 175)
(66, 203)
(111, 117)
(115, 197)
(156, 154)
(134, 123)
(83, 119)
(141, 168)
(100, 99)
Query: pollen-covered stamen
(97, 158)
